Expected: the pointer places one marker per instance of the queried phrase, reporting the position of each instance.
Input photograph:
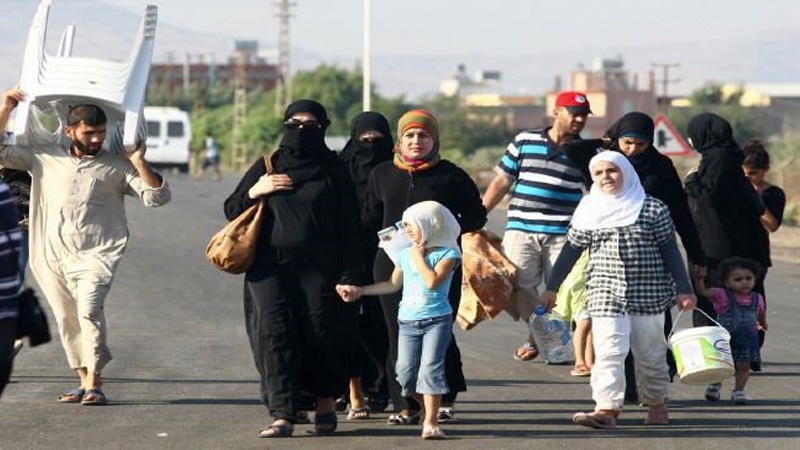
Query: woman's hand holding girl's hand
(348, 292)
(268, 184)
(686, 302)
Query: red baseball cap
(575, 102)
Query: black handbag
(32, 320)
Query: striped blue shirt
(10, 245)
(547, 185)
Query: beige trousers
(77, 298)
(534, 255)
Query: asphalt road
(183, 377)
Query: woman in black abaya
(310, 240)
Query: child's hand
(686, 302)
(699, 272)
(762, 326)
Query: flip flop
(657, 415)
(325, 423)
(581, 371)
(358, 414)
(72, 396)
(595, 420)
(433, 434)
(526, 352)
(277, 430)
(94, 397)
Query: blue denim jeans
(421, 350)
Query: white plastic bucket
(702, 354)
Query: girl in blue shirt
(424, 272)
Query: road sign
(667, 139)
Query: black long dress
(363, 320)
(723, 203)
(310, 240)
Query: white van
(169, 137)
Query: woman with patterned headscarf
(418, 173)
(310, 239)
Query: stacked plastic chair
(55, 82)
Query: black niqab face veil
(302, 153)
(708, 130)
(305, 139)
(361, 157)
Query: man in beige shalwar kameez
(78, 230)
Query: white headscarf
(437, 224)
(601, 210)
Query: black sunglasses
(294, 124)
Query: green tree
(463, 130)
(710, 98)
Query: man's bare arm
(498, 188)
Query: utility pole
(238, 147)
(665, 81)
(283, 88)
(366, 65)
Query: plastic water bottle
(552, 335)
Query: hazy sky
(530, 41)
(499, 27)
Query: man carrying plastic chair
(78, 231)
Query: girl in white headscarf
(424, 272)
(635, 272)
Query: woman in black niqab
(309, 240)
(302, 153)
(360, 155)
(366, 346)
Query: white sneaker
(739, 397)
(17, 346)
(712, 392)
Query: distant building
(482, 93)
(182, 75)
(462, 85)
(612, 92)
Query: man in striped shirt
(545, 187)
(10, 279)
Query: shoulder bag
(233, 248)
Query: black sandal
(277, 430)
(325, 423)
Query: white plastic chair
(54, 82)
